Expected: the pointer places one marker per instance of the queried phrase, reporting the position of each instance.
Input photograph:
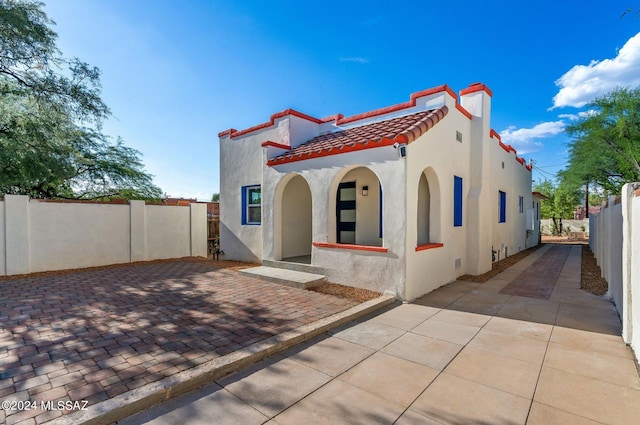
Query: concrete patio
(527, 347)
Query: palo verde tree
(51, 140)
(605, 146)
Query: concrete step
(293, 278)
(290, 265)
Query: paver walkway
(464, 354)
(93, 335)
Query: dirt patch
(498, 268)
(592, 280)
(342, 291)
(220, 264)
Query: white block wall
(42, 236)
(615, 241)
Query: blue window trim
(502, 204)
(457, 201)
(244, 199)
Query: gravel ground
(342, 291)
(591, 274)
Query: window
(521, 204)
(251, 205)
(459, 136)
(502, 207)
(457, 201)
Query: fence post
(138, 230)
(198, 215)
(17, 234)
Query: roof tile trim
(509, 148)
(476, 87)
(339, 118)
(235, 133)
(422, 126)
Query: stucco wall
(441, 157)
(47, 236)
(384, 271)
(614, 238)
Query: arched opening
(428, 208)
(295, 221)
(424, 210)
(358, 213)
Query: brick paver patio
(93, 335)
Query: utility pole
(586, 200)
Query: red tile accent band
(275, 145)
(428, 246)
(235, 133)
(476, 87)
(339, 118)
(495, 134)
(349, 246)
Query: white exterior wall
(57, 229)
(614, 238)
(631, 266)
(384, 272)
(174, 240)
(515, 180)
(43, 236)
(479, 196)
(401, 270)
(439, 151)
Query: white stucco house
(402, 199)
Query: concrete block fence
(614, 238)
(37, 236)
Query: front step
(293, 278)
(289, 265)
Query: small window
(521, 204)
(502, 207)
(457, 201)
(251, 205)
(459, 136)
(503, 165)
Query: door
(346, 213)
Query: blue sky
(176, 73)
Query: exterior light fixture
(365, 190)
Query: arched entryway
(294, 221)
(358, 208)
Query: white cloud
(579, 115)
(583, 83)
(524, 140)
(356, 59)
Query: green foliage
(51, 144)
(561, 199)
(215, 197)
(605, 149)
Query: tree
(561, 201)
(215, 197)
(51, 143)
(605, 149)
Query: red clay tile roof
(403, 129)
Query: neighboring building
(580, 212)
(401, 200)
